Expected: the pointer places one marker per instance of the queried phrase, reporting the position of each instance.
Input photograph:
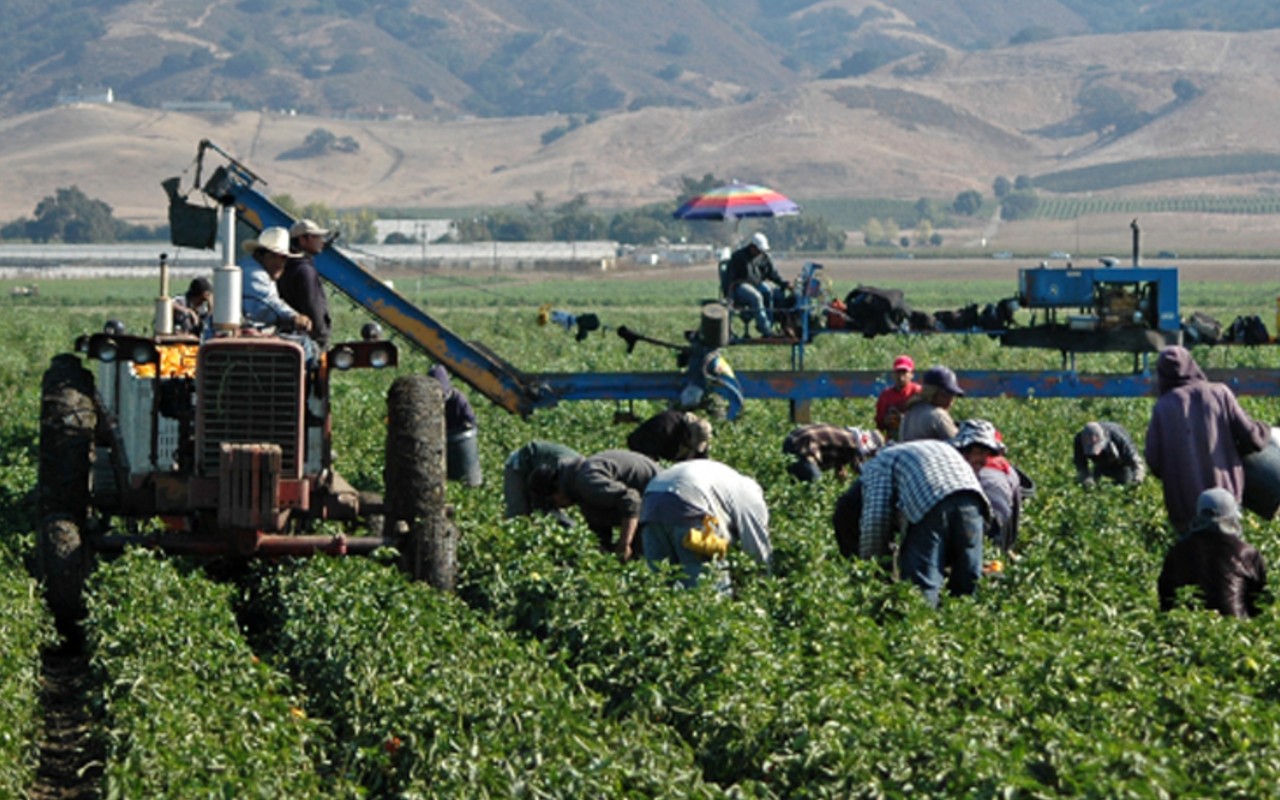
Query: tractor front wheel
(68, 426)
(414, 475)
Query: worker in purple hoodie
(1197, 437)
(462, 455)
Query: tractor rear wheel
(64, 564)
(68, 425)
(414, 475)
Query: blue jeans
(759, 301)
(949, 536)
(665, 543)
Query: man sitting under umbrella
(748, 276)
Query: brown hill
(931, 127)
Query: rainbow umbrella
(735, 201)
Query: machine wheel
(414, 475)
(64, 566)
(68, 425)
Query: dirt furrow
(71, 756)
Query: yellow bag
(707, 540)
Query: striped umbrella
(735, 201)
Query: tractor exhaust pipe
(163, 322)
(1137, 243)
(227, 279)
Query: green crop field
(554, 671)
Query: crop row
(1149, 170)
(188, 708)
(427, 698)
(1075, 207)
(25, 628)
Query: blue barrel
(462, 457)
(1262, 481)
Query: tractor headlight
(379, 357)
(343, 358)
(108, 350)
(142, 353)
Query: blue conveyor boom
(479, 368)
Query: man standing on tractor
(300, 284)
(261, 301)
(748, 276)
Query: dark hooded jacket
(1197, 436)
(1119, 459)
(458, 413)
(750, 264)
(1228, 572)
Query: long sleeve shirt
(1196, 440)
(924, 420)
(828, 446)
(911, 478)
(607, 487)
(1228, 571)
(1002, 487)
(260, 300)
(458, 413)
(1119, 453)
(706, 487)
(299, 286)
(744, 267)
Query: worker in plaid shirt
(820, 447)
(939, 495)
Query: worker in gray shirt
(606, 487)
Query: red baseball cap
(903, 362)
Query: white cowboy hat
(275, 240)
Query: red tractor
(221, 447)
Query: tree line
(70, 216)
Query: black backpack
(875, 311)
(1248, 330)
